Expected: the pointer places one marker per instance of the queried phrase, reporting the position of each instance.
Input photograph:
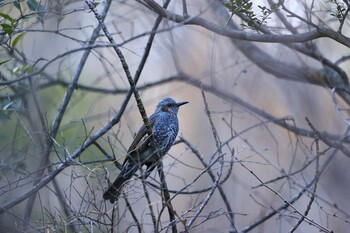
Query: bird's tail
(114, 190)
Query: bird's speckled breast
(165, 130)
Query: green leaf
(7, 105)
(17, 70)
(3, 62)
(95, 4)
(7, 28)
(17, 39)
(27, 69)
(9, 18)
(249, 5)
(34, 5)
(21, 165)
(17, 4)
(274, 7)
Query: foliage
(245, 7)
(339, 11)
(11, 25)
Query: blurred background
(252, 164)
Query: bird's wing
(141, 139)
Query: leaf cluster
(10, 24)
(340, 10)
(245, 7)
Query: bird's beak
(181, 103)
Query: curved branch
(320, 32)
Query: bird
(165, 127)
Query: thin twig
(212, 176)
(318, 154)
(150, 206)
(287, 203)
(219, 173)
(60, 113)
(137, 96)
(167, 200)
(128, 205)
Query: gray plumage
(165, 127)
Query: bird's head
(169, 105)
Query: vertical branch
(132, 83)
(212, 177)
(137, 222)
(213, 129)
(219, 173)
(317, 174)
(64, 204)
(344, 18)
(113, 217)
(167, 199)
(184, 8)
(59, 116)
(149, 44)
(125, 66)
(153, 217)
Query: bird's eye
(165, 108)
